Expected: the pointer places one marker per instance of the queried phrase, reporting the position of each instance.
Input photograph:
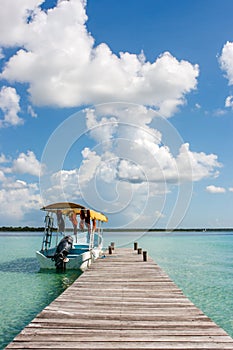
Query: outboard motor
(63, 249)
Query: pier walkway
(122, 302)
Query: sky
(122, 106)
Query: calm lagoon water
(200, 264)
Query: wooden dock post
(144, 255)
(110, 249)
(113, 245)
(135, 246)
(139, 250)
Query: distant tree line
(20, 228)
(39, 229)
(168, 229)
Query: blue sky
(124, 106)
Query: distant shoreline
(39, 229)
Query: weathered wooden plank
(122, 302)
(134, 294)
(124, 316)
(78, 337)
(117, 310)
(119, 324)
(132, 333)
(122, 345)
(125, 301)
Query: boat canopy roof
(67, 207)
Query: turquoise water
(201, 265)
(24, 290)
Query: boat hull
(76, 261)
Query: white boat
(62, 249)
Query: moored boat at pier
(62, 249)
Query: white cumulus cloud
(215, 189)
(27, 164)
(31, 111)
(226, 61)
(129, 170)
(229, 101)
(17, 198)
(3, 159)
(9, 104)
(202, 165)
(78, 72)
(14, 20)
(226, 64)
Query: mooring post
(135, 246)
(113, 245)
(144, 255)
(109, 249)
(139, 250)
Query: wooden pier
(122, 302)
